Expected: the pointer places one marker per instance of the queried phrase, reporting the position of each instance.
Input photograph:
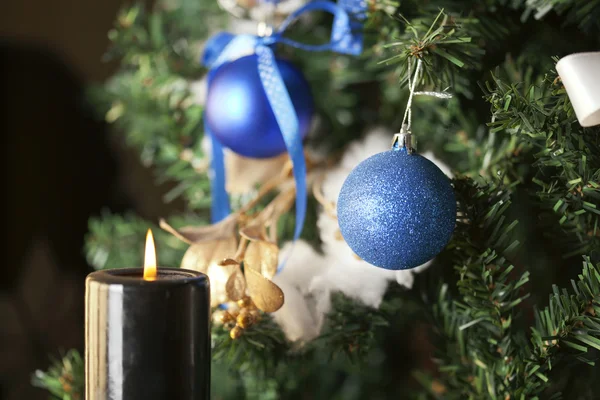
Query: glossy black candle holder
(147, 340)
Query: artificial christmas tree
(507, 310)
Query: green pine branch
(64, 379)
(569, 326)
(112, 237)
(252, 360)
(475, 327)
(167, 37)
(350, 328)
(483, 352)
(157, 115)
(442, 45)
(584, 13)
(150, 99)
(566, 156)
(259, 348)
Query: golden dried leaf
(201, 255)
(241, 248)
(243, 174)
(195, 234)
(205, 257)
(273, 233)
(276, 208)
(266, 295)
(283, 202)
(262, 257)
(253, 232)
(236, 286)
(228, 261)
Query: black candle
(147, 338)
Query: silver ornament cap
(404, 140)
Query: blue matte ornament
(239, 115)
(397, 210)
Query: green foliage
(161, 120)
(584, 13)
(483, 349)
(566, 157)
(164, 38)
(569, 324)
(350, 327)
(475, 329)
(112, 237)
(150, 98)
(65, 377)
(253, 359)
(249, 350)
(440, 44)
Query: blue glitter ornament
(397, 210)
(239, 115)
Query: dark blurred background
(61, 166)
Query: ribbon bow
(346, 38)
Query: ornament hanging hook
(407, 119)
(404, 138)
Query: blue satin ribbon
(346, 38)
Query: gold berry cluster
(66, 381)
(240, 318)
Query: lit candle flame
(150, 258)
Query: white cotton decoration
(302, 263)
(294, 317)
(358, 280)
(298, 318)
